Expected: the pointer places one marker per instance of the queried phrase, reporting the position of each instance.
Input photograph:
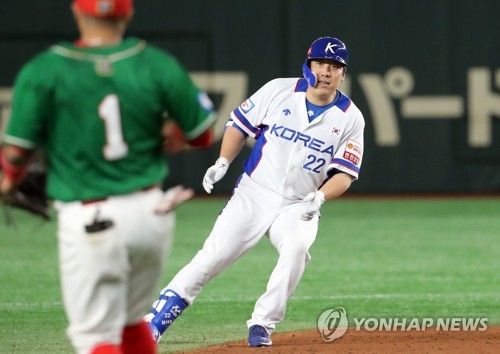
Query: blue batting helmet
(324, 48)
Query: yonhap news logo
(421, 324)
(333, 324)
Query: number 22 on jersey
(109, 111)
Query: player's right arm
(232, 143)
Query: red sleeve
(204, 140)
(15, 166)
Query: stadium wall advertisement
(426, 76)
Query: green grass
(376, 258)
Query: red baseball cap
(105, 8)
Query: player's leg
(148, 237)
(292, 238)
(230, 238)
(235, 232)
(137, 339)
(93, 270)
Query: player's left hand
(172, 198)
(313, 200)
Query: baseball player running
(97, 108)
(309, 148)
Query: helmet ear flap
(310, 77)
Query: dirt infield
(428, 341)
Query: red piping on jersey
(349, 105)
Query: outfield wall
(425, 74)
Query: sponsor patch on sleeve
(353, 151)
(247, 106)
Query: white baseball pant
(251, 213)
(108, 277)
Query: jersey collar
(343, 101)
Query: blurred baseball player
(97, 108)
(309, 147)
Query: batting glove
(313, 201)
(215, 173)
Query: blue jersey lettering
(309, 142)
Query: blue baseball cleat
(164, 312)
(258, 337)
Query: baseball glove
(30, 194)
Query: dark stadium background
(443, 53)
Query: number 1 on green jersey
(109, 111)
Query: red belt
(97, 200)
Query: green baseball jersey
(98, 113)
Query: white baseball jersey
(293, 156)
